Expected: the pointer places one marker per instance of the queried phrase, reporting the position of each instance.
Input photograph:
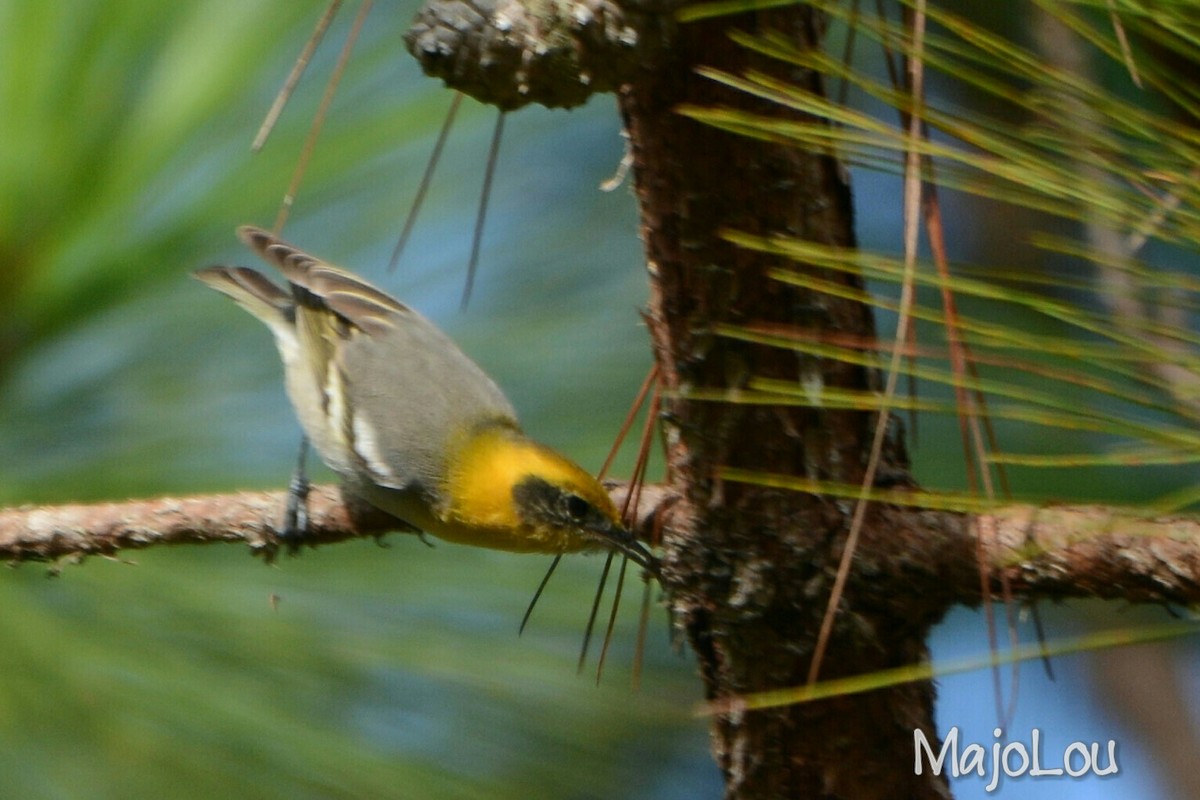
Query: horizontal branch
(52, 533)
(1044, 552)
(1096, 551)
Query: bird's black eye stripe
(539, 500)
(576, 507)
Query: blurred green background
(383, 672)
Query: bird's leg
(295, 515)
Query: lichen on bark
(553, 52)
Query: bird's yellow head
(504, 490)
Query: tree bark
(750, 573)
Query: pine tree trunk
(750, 576)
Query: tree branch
(1047, 552)
(52, 533)
(49, 533)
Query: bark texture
(750, 572)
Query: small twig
(314, 131)
(294, 76)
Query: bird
(409, 422)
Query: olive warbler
(411, 424)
